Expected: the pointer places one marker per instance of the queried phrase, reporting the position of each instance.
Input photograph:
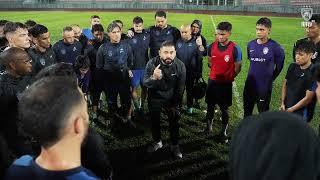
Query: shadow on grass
(136, 163)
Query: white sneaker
(154, 147)
(175, 149)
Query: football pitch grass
(203, 156)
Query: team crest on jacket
(179, 45)
(168, 32)
(63, 51)
(42, 61)
(74, 48)
(265, 50)
(144, 38)
(109, 53)
(134, 41)
(227, 58)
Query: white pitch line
(214, 24)
(234, 85)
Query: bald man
(67, 49)
(190, 54)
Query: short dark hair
(11, 55)
(37, 30)
(137, 20)
(94, 16)
(111, 26)
(160, 13)
(45, 107)
(3, 22)
(305, 46)
(30, 23)
(97, 27)
(67, 28)
(265, 22)
(59, 69)
(224, 26)
(12, 27)
(82, 62)
(315, 18)
(168, 43)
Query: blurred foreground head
(274, 146)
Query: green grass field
(204, 158)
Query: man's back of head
(46, 112)
(53, 112)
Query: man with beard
(67, 49)
(59, 122)
(42, 54)
(165, 79)
(12, 83)
(93, 156)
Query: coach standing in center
(165, 77)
